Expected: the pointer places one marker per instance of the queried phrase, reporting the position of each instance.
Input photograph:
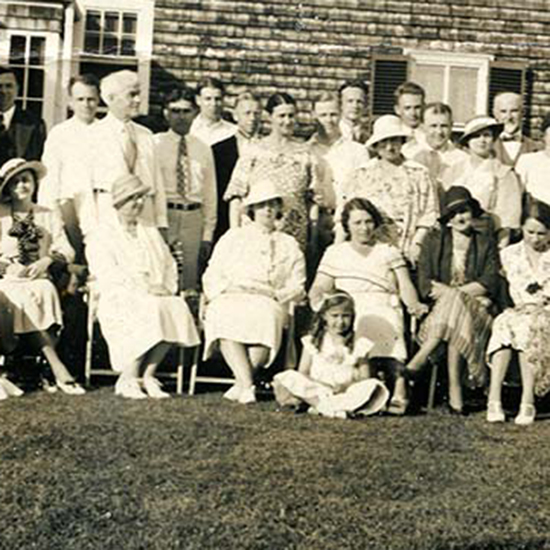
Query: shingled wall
(307, 46)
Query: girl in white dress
(333, 376)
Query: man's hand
(204, 254)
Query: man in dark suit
(22, 134)
(511, 144)
(226, 153)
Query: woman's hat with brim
(13, 167)
(387, 127)
(458, 197)
(126, 187)
(478, 124)
(262, 192)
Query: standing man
(409, 106)
(438, 154)
(209, 126)
(188, 172)
(511, 144)
(65, 186)
(353, 101)
(248, 113)
(22, 134)
(121, 147)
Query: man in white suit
(122, 147)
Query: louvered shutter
(389, 71)
(506, 77)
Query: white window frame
(144, 39)
(448, 60)
(51, 66)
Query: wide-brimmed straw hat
(262, 192)
(13, 167)
(126, 187)
(458, 197)
(386, 127)
(479, 123)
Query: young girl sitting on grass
(334, 375)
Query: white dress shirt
(212, 132)
(533, 170)
(202, 185)
(445, 157)
(8, 116)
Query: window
(467, 82)
(111, 33)
(27, 55)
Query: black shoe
(456, 412)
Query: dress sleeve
(239, 184)
(331, 262)
(294, 287)
(216, 278)
(60, 243)
(428, 200)
(394, 258)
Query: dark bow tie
(511, 137)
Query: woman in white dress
(375, 274)
(493, 184)
(254, 273)
(525, 327)
(533, 168)
(31, 240)
(139, 314)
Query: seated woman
(334, 376)
(375, 274)
(458, 271)
(490, 182)
(139, 314)
(525, 327)
(31, 240)
(254, 272)
(401, 189)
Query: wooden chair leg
(433, 385)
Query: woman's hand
(17, 270)
(39, 269)
(438, 289)
(418, 309)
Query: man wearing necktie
(120, 147)
(189, 177)
(512, 143)
(353, 101)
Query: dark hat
(455, 198)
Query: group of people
(395, 232)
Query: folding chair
(89, 369)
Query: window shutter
(506, 77)
(389, 71)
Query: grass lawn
(198, 473)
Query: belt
(184, 207)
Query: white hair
(115, 82)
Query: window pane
(34, 107)
(129, 23)
(20, 75)
(17, 50)
(111, 21)
(110, 45)
(93, 20)
(128, 46)
(38, 48)
(36, 83)
(463, 93)
(431, 78)
(91, 43)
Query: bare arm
(323, 284)
(408, 293)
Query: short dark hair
(409, 87)
(210, 82)
(177, 94)
(354, 83)
(4, 69)
(359, 203)
(87, 79)
(438, 108)
(280, 98)
(537, 210)
(247, 96)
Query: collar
(515, 136)
(8, 116)
(201, 120)
(114, 121)
(175, 136)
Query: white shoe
(247, 396)
(233, 393)
(10, 388)
(153, 388)
(495, 413)
(71, 387)
(526, 415)
(3, 393)
(129, 388)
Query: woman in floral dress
(288, 162)
(526, 326)
(401, 189)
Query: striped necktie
(182, 168)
